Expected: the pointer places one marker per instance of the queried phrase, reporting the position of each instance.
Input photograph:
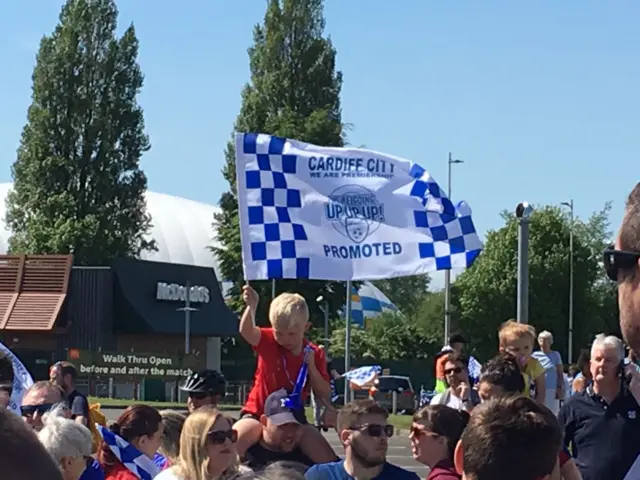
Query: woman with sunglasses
(207, 448)
(434, 435)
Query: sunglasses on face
(616, 261)
(420, 432)
(29, 410)
(374, 430)
(218, 437)
(456, 370)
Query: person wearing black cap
(206, 387)
(280, 436)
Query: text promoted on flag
(342, 214)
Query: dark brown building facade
(48, 306)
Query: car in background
(385, 385)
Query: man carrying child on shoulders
(282, 350)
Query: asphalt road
(399, 447)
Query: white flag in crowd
(21, 382)
(363, 375)
(343, 214)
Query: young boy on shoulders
(281, 353)
(518, 339)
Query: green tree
(390, 337)
(294, 92)
(406, 293)
(393, 337)
(430, 316)
(360, 346)
(485, 294)
(78, 187)
(603, 298)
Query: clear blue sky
(539, 98)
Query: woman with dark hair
(583, 377)
(500, 376)
(434, 435)
(141, 427)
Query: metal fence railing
(236, 392)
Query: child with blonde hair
(518, 339)
(282, 350)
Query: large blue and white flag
(369, 302)
(329, 213)
(22, 379)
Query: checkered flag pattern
(454, 239)
(369, 302)
(270, 219)
(363, 375)
(132, 458)
(340, 213)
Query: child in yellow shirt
(518, 340)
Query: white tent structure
(182, 229)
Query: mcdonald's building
(125, 322)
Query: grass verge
(402, 422)
(125, 402)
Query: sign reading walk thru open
(146, 365)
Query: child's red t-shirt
(278, 368)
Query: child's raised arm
(248, 329)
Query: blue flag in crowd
(363, 375)
(132, 458)
(475, 369)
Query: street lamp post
(447, 273)
(523, 215)
(187, 309)
(569, 204)
(324, 308)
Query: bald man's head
(38, 400)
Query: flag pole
(347, 343)
(273, 288)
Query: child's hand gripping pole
(294, 400)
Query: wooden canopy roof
(33, 289)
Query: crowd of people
(521, 419)
(52, 442)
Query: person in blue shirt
(93, 471)
(365, 433)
